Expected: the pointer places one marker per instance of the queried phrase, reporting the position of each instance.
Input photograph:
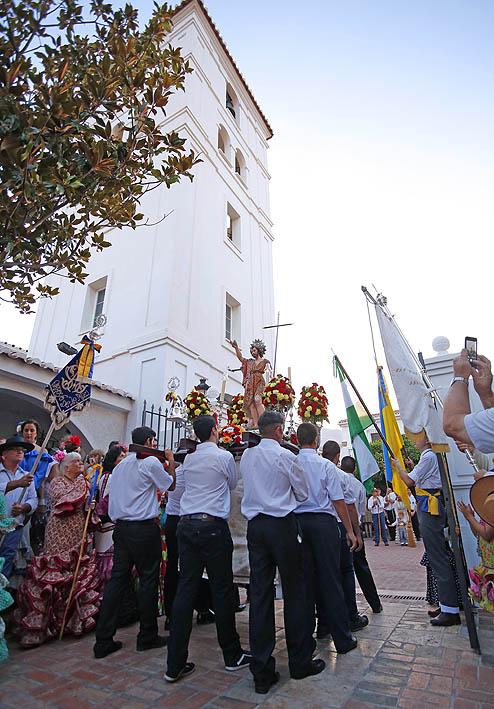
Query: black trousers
(416, 526)
(347, 575)
(321, 542)
(203, 544)
(204, 601)
(390, 517)
(272, 542)
(134, 544)
(365, 578)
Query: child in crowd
(401, 523)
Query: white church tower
(175, 293)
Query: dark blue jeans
(379, 524)
(134, 544)
(203, 544)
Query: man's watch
(459, 379)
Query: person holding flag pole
(420, 412)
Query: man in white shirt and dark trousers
(376, 507)
(133, 505)
(321, 538)
(331, 451)
(360, 563)
(273, 484)
(204, 540)
(432, 517)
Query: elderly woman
(42, 598)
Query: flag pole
(40, 453)
(379, 432)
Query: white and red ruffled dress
(42, 597)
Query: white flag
(417, 408)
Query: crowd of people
(99, 543)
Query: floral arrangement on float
(229, 436)
(291, 438)
(197, 404)
(278, 395)
(235, 412)
(313, 404)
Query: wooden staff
(76, 572)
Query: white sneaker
(243, 661)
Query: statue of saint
(253, 371)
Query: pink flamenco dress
(482, 576)
(42, 598)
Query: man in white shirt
(376, 506)
(458, 421)
(321, 538)
(273, 484)
(204, 540)
(432, 517)
(331, 451)
(133, 506)
(360, 563)
(413, 507)
(389, 512)
(13, 481)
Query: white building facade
(174, 294)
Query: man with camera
(458, 421)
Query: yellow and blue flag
(394, 439)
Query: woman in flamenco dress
(42, 598)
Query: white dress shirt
(413, 502)
(480, 428)
(324, 485)
(134, 488)
(426, 473)
(209, 475)
(359, 494)
(376, 509)
(273, 480)
(174, 497)
(12, 497)
(391, 501)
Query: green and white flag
(358, 421)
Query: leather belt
(203, 517)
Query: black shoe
(315, 667)
(434, 613)
(159, 641)
(187, 669)
(264, 686)
(446, 619)
(376, 544)
(378, 610)
(205, 618)
(351, 646)
(358, 623)
(101, 651)
(386, 544)
(243, 661)
(241, 607)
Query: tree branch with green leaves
(82, 105)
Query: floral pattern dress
(42, 598)
(482, 576)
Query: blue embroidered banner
(68, 392)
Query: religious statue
(253, 382)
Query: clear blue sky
(382, 170)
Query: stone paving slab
(401, 661)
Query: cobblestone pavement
(401, 661)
